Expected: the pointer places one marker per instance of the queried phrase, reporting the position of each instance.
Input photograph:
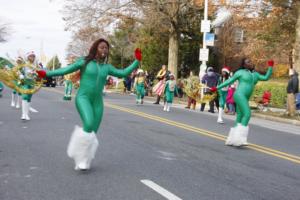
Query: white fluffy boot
(165, 106)
(220, 117)
(31, 109)
(23, 109)
(82, 148)
(168, 107)
(27, 106)
(231, 136)
(18, 101)
(241, 135)
(93, 150)
(12, 100)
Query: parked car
(50, 82)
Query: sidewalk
(269, 116)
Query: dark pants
(211, 104)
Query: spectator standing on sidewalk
(230, 100)
(210, 79)
(191, 101)
(292, 89)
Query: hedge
(278, 90)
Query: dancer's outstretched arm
(230, 80)
(120, 73)
(265, 77)
(67, 70)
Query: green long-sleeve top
(93, 75)
(247, 80)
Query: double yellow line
(259, 148)
(262, 149)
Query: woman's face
(164, 67)
(31, 58)
(102, 50)
(248, 64)
(19, 62)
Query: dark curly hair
(94, 49)
(242, 65)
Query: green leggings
(91, 112)
(242, 109)
(68, 88)
(27, 97)
(140, 91)
(222, 98)
(1, 87)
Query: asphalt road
(144, 154)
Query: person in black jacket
(292, 89)
(211, 80)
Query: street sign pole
(203, 64)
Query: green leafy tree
(53, 63)
(155, 49)
(122, 42)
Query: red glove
(138, 54)
(213, 89)
(41, 73)
(271, 63)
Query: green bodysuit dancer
(1, 88)
(139, 86)
(169, 91)
(68, 88)
(247, 79)
(223, 93)
(27, 75)
(89, 101)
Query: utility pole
(53, 63)
(204, 49)
(204, 52)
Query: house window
(238, 35)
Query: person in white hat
(223, 93)
(139, 86)
(169, 91)
(27, 75)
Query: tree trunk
(173, 53)
(297, 43)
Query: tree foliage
(269, 31)
(53, 62)
(165, 18)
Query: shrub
(278, 90)
(281, 70)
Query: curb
(257, 115)
(276, 119)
